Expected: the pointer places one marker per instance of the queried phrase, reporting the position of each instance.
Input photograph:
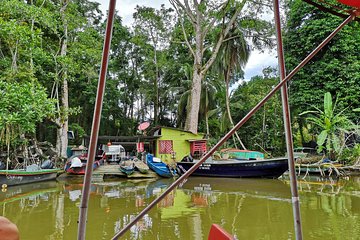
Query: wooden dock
(112, 171)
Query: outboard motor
(2, 166)
(47, 164)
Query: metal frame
(96, 122)
(282, 85)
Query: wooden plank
(109, 169)
(115, 170)
(133, 138)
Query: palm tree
(208, 101)
(207, 97)
(333, 126)
(231, 59)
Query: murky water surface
(247, 208)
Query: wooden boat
(268, 168)
(76, 165)
(160, 167)
(141, 166)
(20, 176)
(127, 167)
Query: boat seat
(218, 233)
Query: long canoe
(141, 166)
(127, 167)
(17, 177)
(160, 168)
(268, 168)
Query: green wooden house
(173, 144)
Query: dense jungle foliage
(50, 53)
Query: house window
(165, 146)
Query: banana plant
(333, 125)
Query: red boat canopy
(352, 3)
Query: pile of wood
(32, 153)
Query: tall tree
(231, 60)
(153, 25)
(62, 120)
(75, 18)
(334, 69)
(203, 18)
(216, 17)
(23, 104)
(265, 129)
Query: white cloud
(258, 61)
(126, 8)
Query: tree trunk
(206, 115)
(14, 57)
(62, 139)
(192, 115)
(63, 124)
(263, 127)
(227, 76)
(156, 86)
(301, 129)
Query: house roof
(172, 128)
(196, 140)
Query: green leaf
(336, 142)
(322, 137)
(328, 105)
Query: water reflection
(248, 208)
(241, 206)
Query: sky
(257, 62)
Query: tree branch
(183, 28)
(230, 38)
(180, 42)
(186, 39)
(222, 8)
(199, 14)
(222, 36)
(186, 9)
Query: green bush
(350, 156)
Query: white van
(114, 153)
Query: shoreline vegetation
(167, 70)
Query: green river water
(246, 208)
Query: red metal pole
(287, 125)
(96, 122)
(235, 128)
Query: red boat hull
(81, 170)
